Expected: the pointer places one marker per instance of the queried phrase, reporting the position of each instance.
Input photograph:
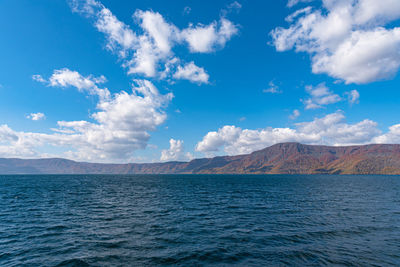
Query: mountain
(284, 158)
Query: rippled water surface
(186, 220)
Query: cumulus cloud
(329, 130)
(206, 38)
(120, 125)
(347, 39)
(176, 152)
(67, 78)
(154, 45)
(149, 51)
(36, 116)
(192, 73)
(15, 144)
(320, 96)
(391, 137)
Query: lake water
(186, 220)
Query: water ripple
(188, 220)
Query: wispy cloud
(353, 97)
(186, 10)
(232, 7)
(292, 3)
(272, 88)
(295, 114)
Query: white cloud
(391, 137)
(36, 116)
(329, 130)
(200, 38)
(214, 140)
(353, 96)
(162, 33)
(38, 78)
(297, 13)
(347, 39)
(320, 96)
(232, 7)
(19, 144)
(235, 5)
(332, 129)
(176, 152)
(149, 52)
(66, 78)
(154, 45)
(272, 88)
(121, 123)
(207, 38)
(7, 134)
(119, 36)
(295, 114)
(192, 73)
(292, 3)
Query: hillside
(284, 158)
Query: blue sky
(143, 81)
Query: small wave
(235, 220)
(117, 244)
(73, 263)
(57, 228)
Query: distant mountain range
(284, 158)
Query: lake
(197, 220)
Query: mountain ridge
(281, 158)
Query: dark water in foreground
(199, 220)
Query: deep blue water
(186, 220)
